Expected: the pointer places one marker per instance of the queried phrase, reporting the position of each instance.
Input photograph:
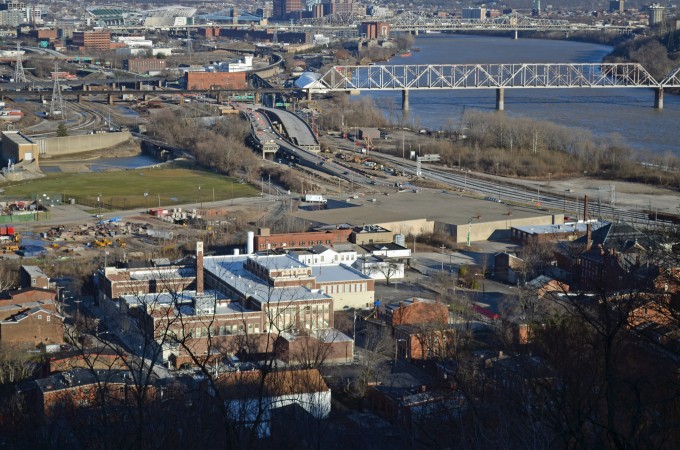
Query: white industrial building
(169, 16)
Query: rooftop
(82, 377)
(335, 273)
(18, 137)
(230, 270)
(441, 206)
(277, 262)
(408, 302)
(34, 271)
(578, 227)
(156, 273)
(184, 300)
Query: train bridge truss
(494, 76)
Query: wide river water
(628, 112)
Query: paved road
(297, 129)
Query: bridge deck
(297, 129)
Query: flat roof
(579, 227)
(231, 270)
(441, 206)
(34, 271)
(337, 273)
(277, 262)
(168, 298)
(17, 137)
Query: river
(628, 112)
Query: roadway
(298, 130)
(493, 189)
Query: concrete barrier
(68, 145)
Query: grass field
(126, 189)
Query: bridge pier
(309, 94)
(110, 96)
(256, 97)
(658, 98)
(516, 34)
(500, 99)
(404, 100)
(42, 98)
(138, 85)
(181, 99)
(80, 98)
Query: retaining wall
(68, 145)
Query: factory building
(17, 147)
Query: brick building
(33, 277)
(319, 347)
(374, 30)
(18, 147)
(92, 40)
(209, 32)
(215, 80)
(284, 9)
(264, 240)
(341, 6)
(145, 65)
(50, 35)
(420, 328)
(370, 234)
(78, 390)
(29, 317)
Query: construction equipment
(9, 240)
(121, 243)
(103, 242)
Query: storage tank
(400, 239)
(251, 243)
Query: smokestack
(585, 208)
(199, 267)
(251, 243)
(589, 235)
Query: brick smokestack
(589, 236)
(585, 208)
(199, 267)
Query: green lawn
(125, 189)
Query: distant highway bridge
(347, 25)
(406, 78)
(415, 23)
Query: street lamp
(146, 200)
(443, 248)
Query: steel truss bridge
(493, 76)
(347, 25)
(414, 22)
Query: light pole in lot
(442, 247)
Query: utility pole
(57, 105)
(19, 75)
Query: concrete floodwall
(68, 145)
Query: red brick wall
(301, 240)
(143, 65)
(211, 80)
(420, 312)
(33, 330)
